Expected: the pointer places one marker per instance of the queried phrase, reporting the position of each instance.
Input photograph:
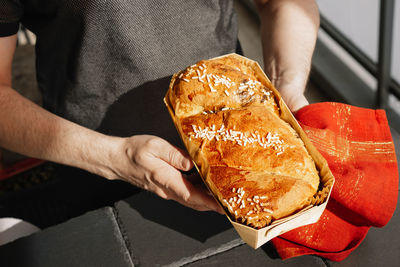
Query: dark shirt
(89, 53)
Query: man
(90, 53)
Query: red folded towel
(359, 149)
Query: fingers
(178, 188)
(174, 156)
(294, 98)
(155, 165)
(215, 206)
(297, 103)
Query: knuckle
(140, 156)
(162, 194)
(152, 143)
(155, 176)
(158, 178)
(186, 196)
(146, 187)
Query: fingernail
(186, 164)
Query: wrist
(280, 74)
(102, 156)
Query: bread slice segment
(251, 138)
(257, 197)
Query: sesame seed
(186, 80)
(263, 197)
(233, 190)
(226, 92)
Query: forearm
(289, 31)
(28, 129)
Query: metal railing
(382, 69)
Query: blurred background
(356, 61)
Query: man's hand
(289, 31)
(291, 93)
(152, 163)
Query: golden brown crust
(258, 197)
(250, 158)
(210, 86)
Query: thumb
(297, 103)
(174, 156)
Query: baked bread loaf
(252, 160)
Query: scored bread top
(252, 160)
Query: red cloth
(359, 149)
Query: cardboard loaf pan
(308, 215)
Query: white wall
(359, 21)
